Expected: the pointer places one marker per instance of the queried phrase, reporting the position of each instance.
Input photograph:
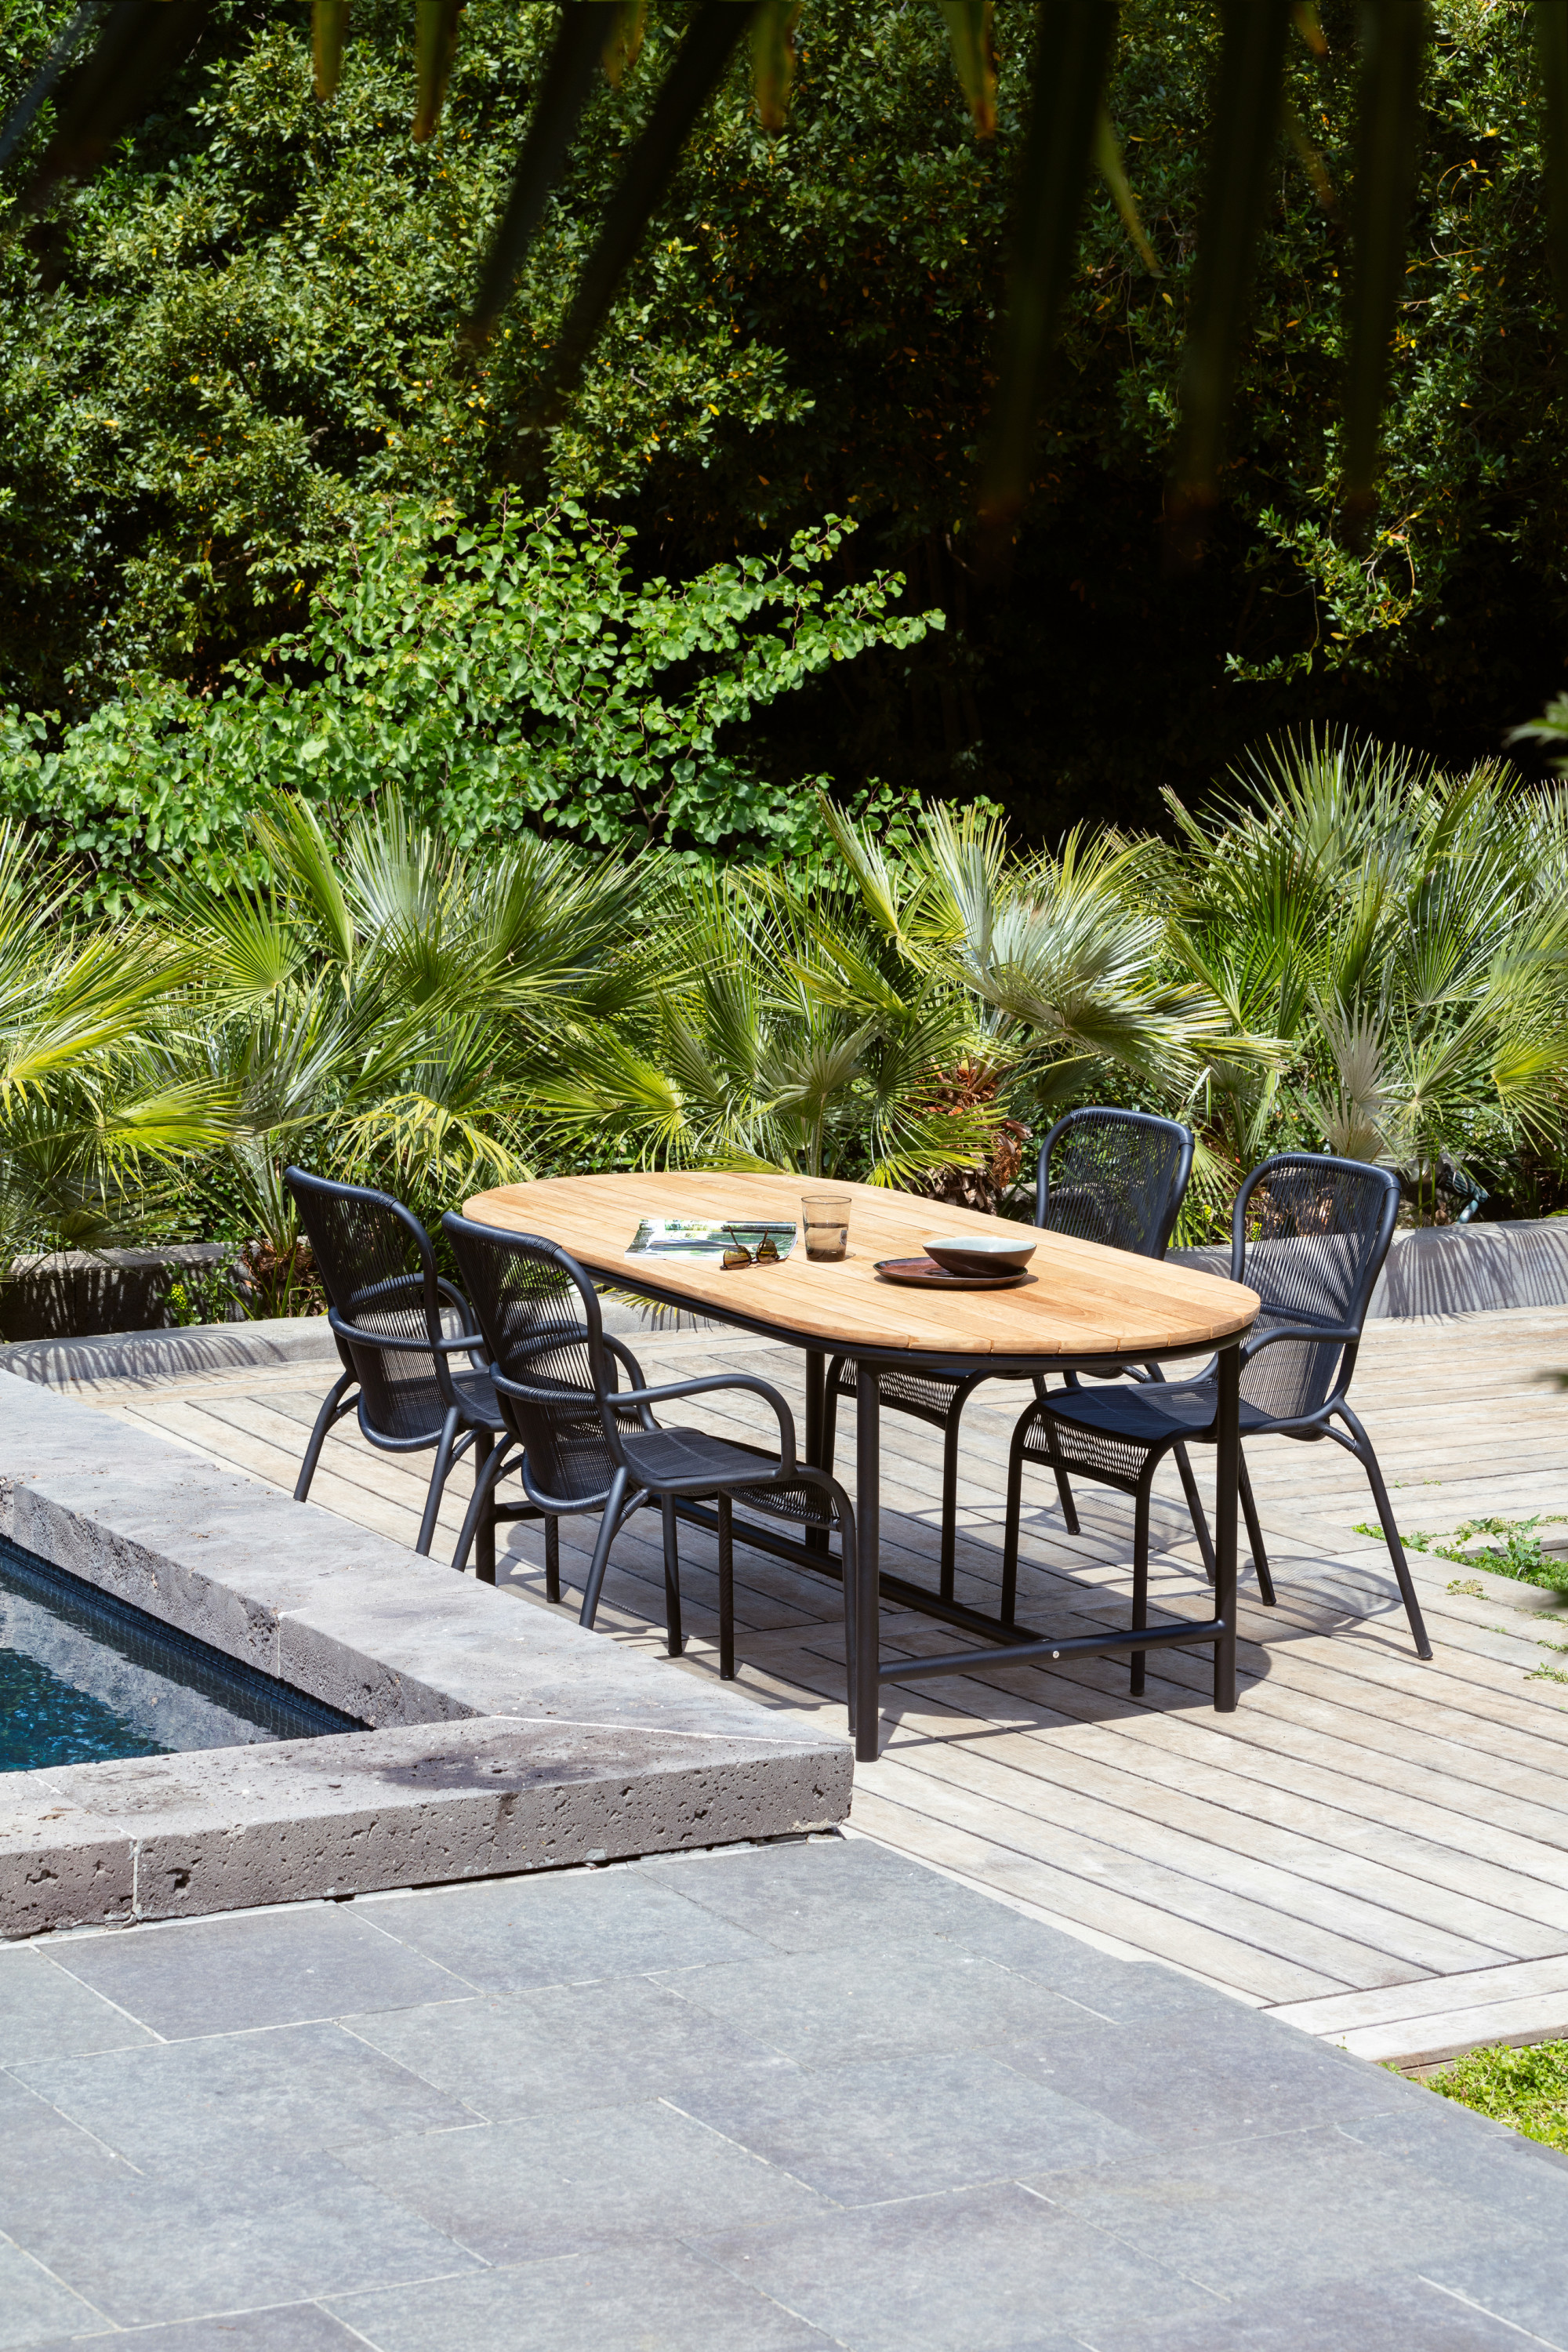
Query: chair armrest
(470, 1342)
(747, 1380)
(624, 1355)
(454, 1297)
(1326, 1335)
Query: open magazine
(706, 1241)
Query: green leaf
(559, 102)
(1393, 36)
(623, 42)
(1246, 119)
(773, 59)
(328, 29)
(691, 82)
(1552, 49)
(435, 46)
(1074, 46)
(969, 30)
(1108, 161)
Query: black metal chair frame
(938, 1399)
(1098, 1416)
(465, 1423)
(631, 1486)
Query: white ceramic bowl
(981, 1253)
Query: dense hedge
(251, 339)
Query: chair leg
(950, 1493)
(1255, 1534)
(726, 1592)
(332, 1410)
(674, 1640)
(481, 1512)
(1015, 1511)
(485, 1547)
(1141, 1571)
(830, 1412)
(552, 1559)
(1064, 1492)
(1195, 1510)
(614, 1503)
(437, 1480)
(1368, 1460)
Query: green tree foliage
(254, 335)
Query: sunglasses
(737, 1254)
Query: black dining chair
(408, 1343)
(1309, 1234)
(583, 1443)
(1116, 1177)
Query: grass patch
(1517, 1552)
(1527, 2089)
(1468, 1585)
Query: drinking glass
(825, 1217)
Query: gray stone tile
(34, 2306)
(989, 2269)
(39, 2148)
(650, 2298)
(830, 2007)
(225, 2237)
(1401, 2315)
(563, 2184)
(569, 2046)
(843, 1894)
(562, 1927)
(1179, 2083)
(44, 2012)
(285, 2327)
(1473, 2155)
(273, 2093)
(220, 1976)
(1286, 2213)
(1524, 2286)
(908, 2127)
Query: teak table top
(1084, 1301)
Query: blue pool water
(85, 1677)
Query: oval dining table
(1083, 1307)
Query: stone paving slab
(579, 2110)
(498, 1737)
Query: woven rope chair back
(539, 1316)
(1115, 1177)
(1310, 1236)
(379, 1271)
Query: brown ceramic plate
(929, 1276)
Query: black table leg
(815, 1399)
(1228, 1476)
(868, 1554)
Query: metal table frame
(867, 1672)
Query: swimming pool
(85, 1678)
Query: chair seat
(477, 1391)
(928, 1393)
(1145, 1412)
(664, 1455)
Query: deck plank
(1373, 1848)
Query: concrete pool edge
(501, 1737)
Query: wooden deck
(1373, 1848)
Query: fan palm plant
(1402, 932)
(375, 1001)
(88, 1109)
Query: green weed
(1527, 2088)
